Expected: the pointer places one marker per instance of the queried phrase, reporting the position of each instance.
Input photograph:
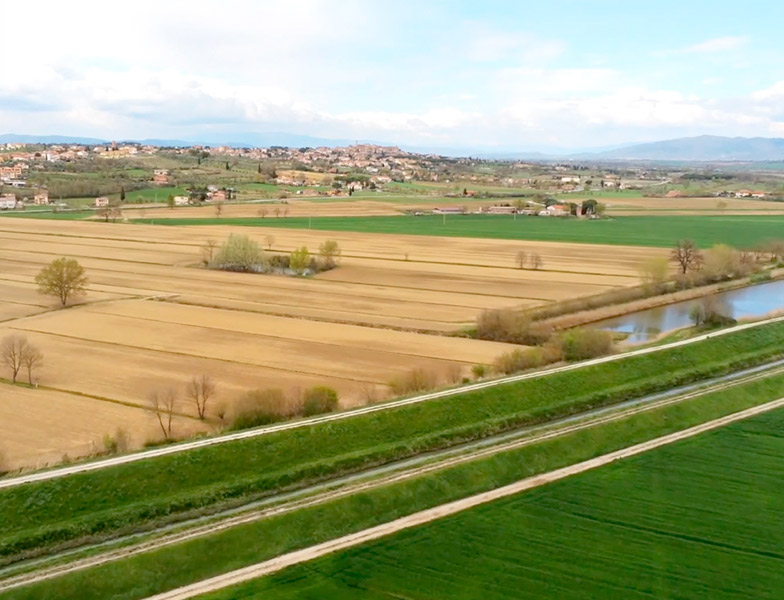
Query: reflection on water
(753, 301)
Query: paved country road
(252, 433)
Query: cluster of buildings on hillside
(553, 210)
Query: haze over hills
(700, 148)
(689, 149)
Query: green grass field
(698, 519)
(94, 504)
(151, 573)
(738, 231)
(153, 194)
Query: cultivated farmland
(700, 517)
(152, 319)
(740, 231)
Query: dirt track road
(222, 439)
(307, 554)
(388, 474)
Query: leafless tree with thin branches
(32, 359)
(163, 405)
(199, 390)
(687, 255)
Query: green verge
(147, 574)
(661, 231)
(145, 494)
(697, 519)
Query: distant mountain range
(700, 148)
(703, 148)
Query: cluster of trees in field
(18, 355)
(63, 278)
(257, 407)
(242, 254)
(718, 263)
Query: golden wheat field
(693, 206)
(153, 318)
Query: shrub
(479, 371)
(329, 251)
(760, 277)
(454, 373)
(318, 400)
(519, 360)
(118, 443)
(299, 261)
(512, 326)
(239, 253)
(279, 261)
(582, 343)
(708, 312)
(653, 274)
(417, 380)
(262, 407)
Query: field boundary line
(290, 559)
(336, 345)
(251, 433)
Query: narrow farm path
(439, 512)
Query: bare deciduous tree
(12, 353)
(276, 211)
(535, 261)
(285, 211)
(32, 359)
(163, 405)
(687, 255)
(262, 212)
(520, 259)
(269, 240)
(200, 390)
(218, 209)
(208, 251)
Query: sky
(496, 75)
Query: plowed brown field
(152, 319)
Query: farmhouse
(101, 202)
(181, 200)
(448, 210)
(41, 198)
(217, 196)
(161, 176)
(502, 210)
(556, 210)
(7, 202)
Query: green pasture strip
(739, 231)
(697, 519)
(146, 574)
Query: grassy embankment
(698, 519)
(124, 498)
(147, 574)
(659, 231)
